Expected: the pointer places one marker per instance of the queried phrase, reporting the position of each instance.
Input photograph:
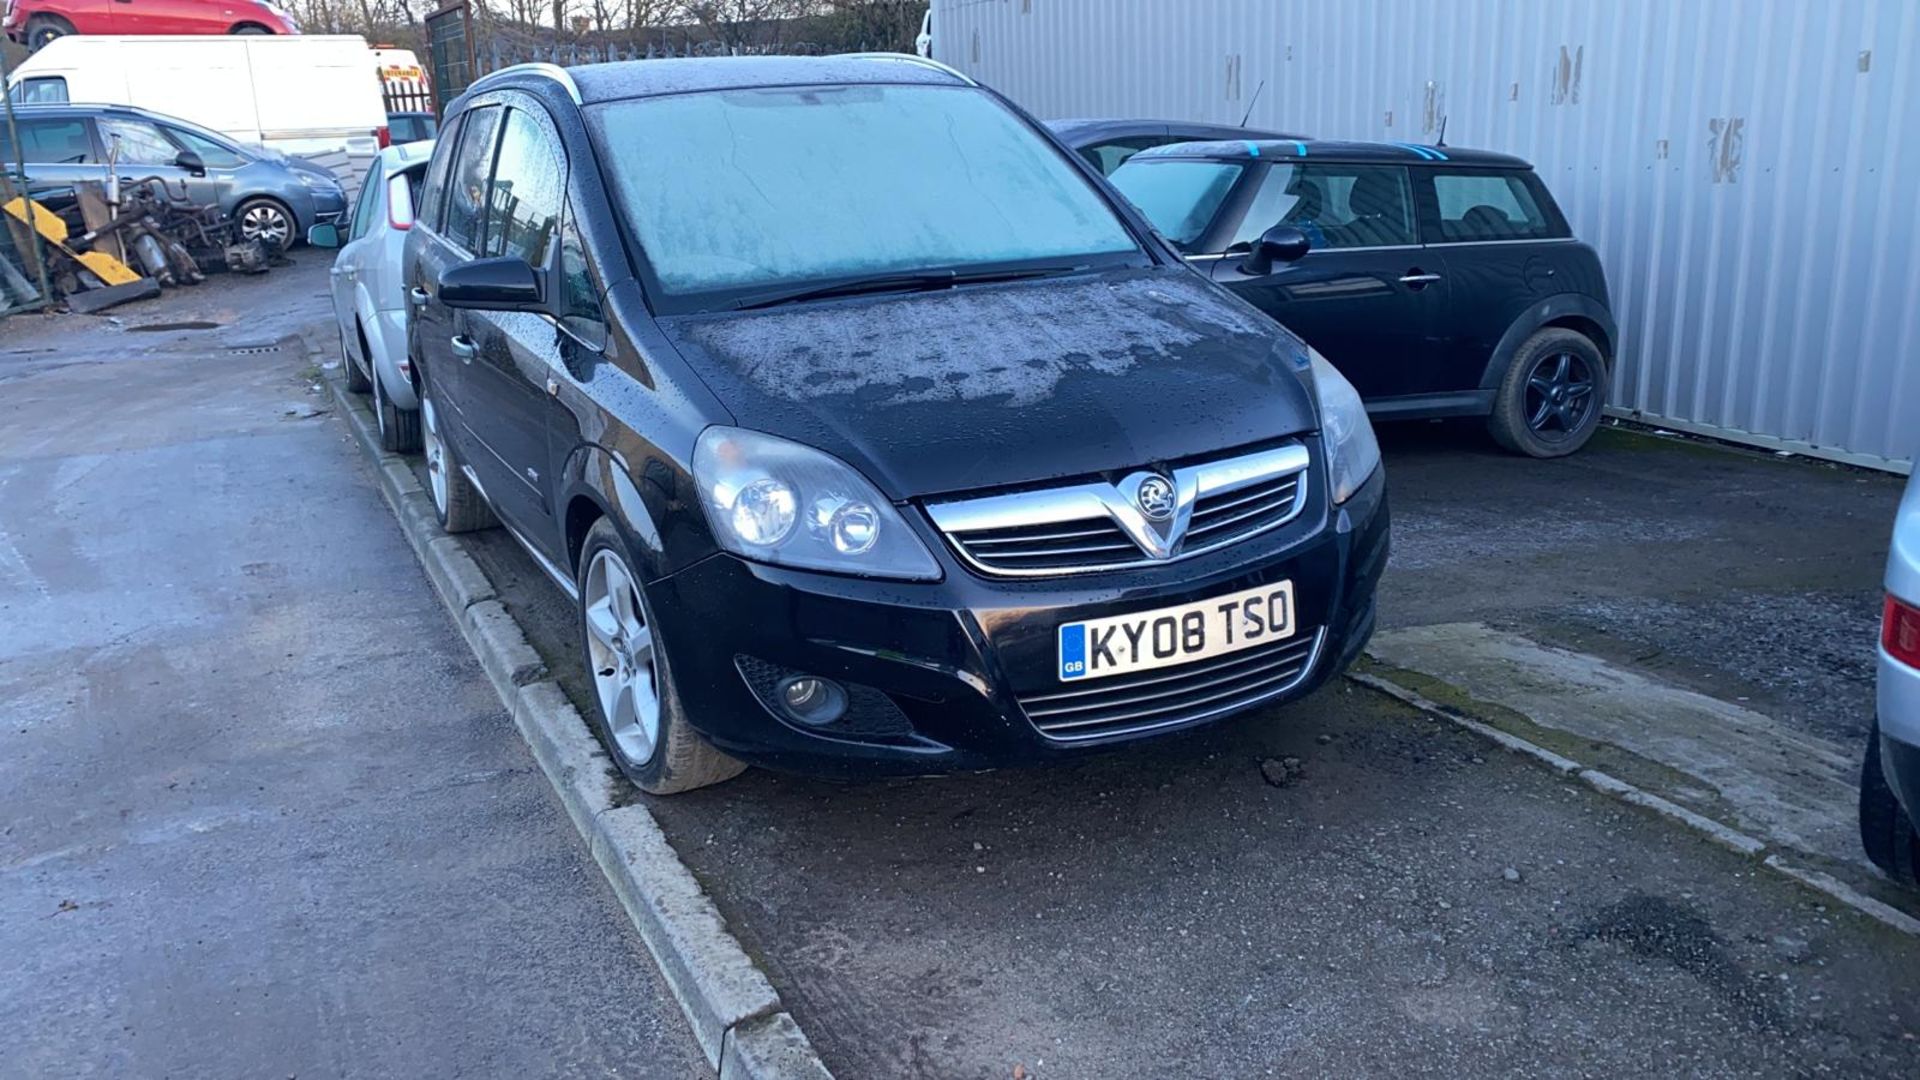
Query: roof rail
(552, 71)
(913, 58)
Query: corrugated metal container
(1748, 169)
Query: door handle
(418, 296)
(464, 348)
(1417, 278)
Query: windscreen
(731, 190)
(1179, 197)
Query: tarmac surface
(261, 814)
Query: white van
(305, 95)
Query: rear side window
(1481, 206)
(529, 184)
(466, 191)
(1336, 206)
(433, 188)
(48, 142)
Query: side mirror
(192, 162)
(324, 236)
(507, 283)
(1282, 243)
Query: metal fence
(1744, 167)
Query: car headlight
(779, 502)
(324, 184)
(1345, 431)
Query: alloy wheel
(1560, 396)
(620, 652)
(266, 223)
(435, 452)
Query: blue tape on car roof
(1301, 147)
(1419, 150)
(1253, 148)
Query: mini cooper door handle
(419, 296)
(1417, 278)
(464, 348)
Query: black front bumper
(936, 671)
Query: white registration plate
(1168, 636)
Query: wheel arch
(1571, 311)
(597, 483)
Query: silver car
(369, 303)
(1890, 782)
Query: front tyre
(638, 713)
(1549, 402)
(456, 500)
(267, 221)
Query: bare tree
(743, 24)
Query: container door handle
(419, 296)
(464, 348)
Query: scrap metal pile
(106, 244)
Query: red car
(33, 23)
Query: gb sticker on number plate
(1168, 636)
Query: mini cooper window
(731, 190)
(1480, 206)
(1337, 206)
(1179, 197)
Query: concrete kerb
(734, 1012)
(1608, 784)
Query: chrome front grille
(1171, 697)
(1104, 526)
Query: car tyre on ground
(267, 221)
(1549, 403)
(357, 380)
(456, 500)
(251, 28)
(42, 30)
(399, 428)
(1885, 830)
(637, 712)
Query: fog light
(812, 701)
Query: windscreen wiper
(920, 281)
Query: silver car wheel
(266, 223)
(436, 453)
(620, 651)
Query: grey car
(1890, 782)
(275, 198)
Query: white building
(1749, 170)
